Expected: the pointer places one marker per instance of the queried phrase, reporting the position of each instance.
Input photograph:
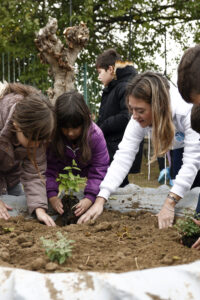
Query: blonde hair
(153, 88)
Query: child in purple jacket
(76, 137)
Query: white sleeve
(191, 159)
(123, 159)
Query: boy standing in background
(113, 113)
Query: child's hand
(57, 205)
(196, 245)
(4, 210)
(44, 217)
(82, 206)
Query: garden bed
(116, 242)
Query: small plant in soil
(188, 230)
(68, 184)
(58, 250)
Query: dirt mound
(116, 242)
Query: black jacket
(113, 112)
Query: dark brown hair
(107, 58)
(34, 115)
(189, 74)
(195, 118)
(72, 112)
(153, 88)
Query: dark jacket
(15, 165)
(94, 170)
(113, 112)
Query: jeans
(176, 161)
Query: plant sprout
(186, 225)
(58, 250)
(70, 183)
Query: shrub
(70, 183)
(186, 225)
(57, 250)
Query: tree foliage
(136, 28)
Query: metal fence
(16, 69)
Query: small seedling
(8, 229)
(70, 183)
(186, 225)
(124, 233)
(58, 250)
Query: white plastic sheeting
(167, 283)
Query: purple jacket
(94, 170)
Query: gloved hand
(166, 215)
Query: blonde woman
(165, 120)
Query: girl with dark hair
(26, 125)
(76, 138)
(167, 122)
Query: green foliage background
(143, 24)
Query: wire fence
(29, 70)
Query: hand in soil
(196, 245)
(82, 206)
(93, 212)
(4, 210)
(44, 217)
(57, 205)
(166, 216)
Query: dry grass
(141, 178)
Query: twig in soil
(87, 260)
(73, 206)
(136, 262)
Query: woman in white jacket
(168, 122)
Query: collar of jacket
(124, 70)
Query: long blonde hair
(153, 88)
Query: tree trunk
(60, 59)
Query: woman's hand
(95, 210)
(82, 206)
(4, 210)
(196, 245)
(166, 215)
(57, 205)
(42, 216)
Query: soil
(116, 242)
(189, 240)
(68, 217)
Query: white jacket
(129, 146)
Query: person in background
(76, 138)
(189, 88)
(113, 113)
(155, 112)
(26, 125)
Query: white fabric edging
(174, 283)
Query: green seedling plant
(58, 250)
(70, 183)
(186, 225)
(8, 229)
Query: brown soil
(116, 242)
